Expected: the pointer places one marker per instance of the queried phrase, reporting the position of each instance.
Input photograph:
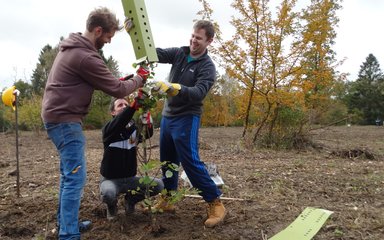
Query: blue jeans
(70, 144)
(179, 144)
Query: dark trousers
(179, 144)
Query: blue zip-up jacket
(195, 77)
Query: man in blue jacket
(191, 77)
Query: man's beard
(99, 43)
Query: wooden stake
(17, 148)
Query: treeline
(358, 102)
(279, 78)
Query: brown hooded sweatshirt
(77, 71)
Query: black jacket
(195, 77)
(119, 139)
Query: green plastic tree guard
(141, 35)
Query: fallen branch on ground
(221, 198)
(330, 124)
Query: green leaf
(168, 174)
(146, 180)
(147, 202)
(153, 184)
(174, 166)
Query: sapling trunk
(145, 160)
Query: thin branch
(221, 198)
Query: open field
(344, 174)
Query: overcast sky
(27, 26)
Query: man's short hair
(104, 18)
(207, 26)
(112, 104)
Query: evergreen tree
(43, 67)
(366, 94)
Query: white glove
(16, 92)
(146, 118)
(128, 24)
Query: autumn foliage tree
(317, 77)
(221, 104)
(282, 61)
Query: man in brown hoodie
(76, 72)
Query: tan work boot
(216, 213)
(164, 205)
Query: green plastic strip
(141, 34)
(305, 226)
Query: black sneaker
(111, 212)
(85, 226)
(129, 208)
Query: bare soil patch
(276, 186)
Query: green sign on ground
(306, 225)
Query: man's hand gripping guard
(171, 89)
(125, 78)
(144, 73)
